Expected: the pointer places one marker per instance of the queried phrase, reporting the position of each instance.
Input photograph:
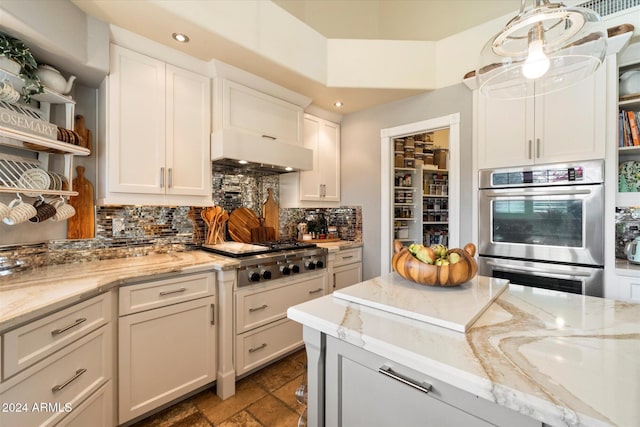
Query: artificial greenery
(15, 50)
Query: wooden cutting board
(241, 222)
(271, 214)
(262, 234)
(82, 224)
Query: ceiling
(427, 20)
(424, 20)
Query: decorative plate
(629, 176)
(36, 179)
(58, 178)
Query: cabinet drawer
(255, 348)
(347, 256)
(56, 385)
(33, 342)
(258, 307)
(96, 411)
(363, 388)
(160, 293)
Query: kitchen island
(534, 357)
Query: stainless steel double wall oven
(543, 226)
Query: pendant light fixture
(543, 49)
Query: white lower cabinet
(256, 348)
(262, 331)
(95, 411)
(36, 340)
(364, 389)
(346, 268)
(347, 275)
(56, 387)
(165, 352)
(628, 288)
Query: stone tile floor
(265, 398)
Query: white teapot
(632, 250)
(52, 79)
(630, 83)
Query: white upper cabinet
(567, 125)
(158, 132)
(323, 182)
(247, 110)
(188, 133)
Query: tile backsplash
(125, 231)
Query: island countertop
(563, 359)
(31, 293)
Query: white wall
(360, 154)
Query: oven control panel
(588, 172)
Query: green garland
(15, 50)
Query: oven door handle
(547, 192)
(549, 272)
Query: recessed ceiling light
(338, 104)
(242, 162)
(288, 168)
(179, 37)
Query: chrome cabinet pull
(575, 272)
(213, 314)
(315, 291)
(175, 291)
(170, 177)
(262, 307)
(260, 347)
(517, 192)
(269, 137)
(538, 148)
(66, 328)
(423, 387)
(69, 381)
(530, 147)
(162, 177)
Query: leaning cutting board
(271, 214)
(241, 222)
(82, 224)
(262, 234)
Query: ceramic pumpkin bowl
(411, 268)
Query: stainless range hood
(233, 148)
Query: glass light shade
(572, 39)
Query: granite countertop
(560, 358)
(626, 268)
(340, 245)
(29, 294)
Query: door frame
(452, 122)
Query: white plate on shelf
(36, 179)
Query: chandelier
(543, 49)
